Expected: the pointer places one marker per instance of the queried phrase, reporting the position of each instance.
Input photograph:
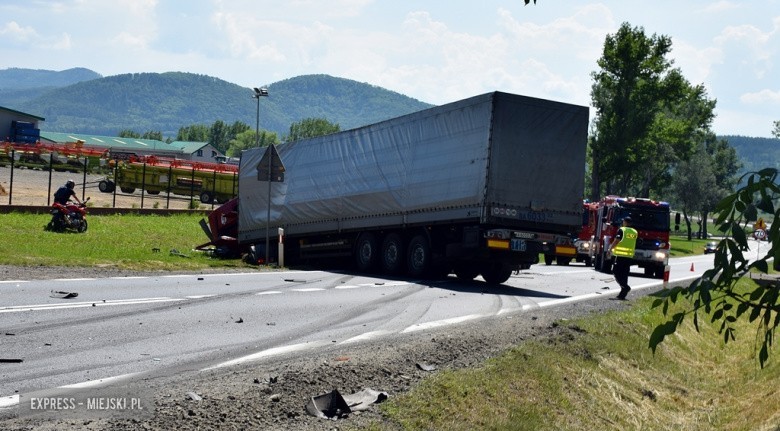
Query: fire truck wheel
(588, 261)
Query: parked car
(710, 247)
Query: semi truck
(650, 218)
(474, 187)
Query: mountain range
(82, 101)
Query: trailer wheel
(128, 190)
(563, 261)
(418, 257)
(153, 192)
(548, 259)
(496, 273)
(392, 253)
(466, 272)
(206, 197)
(366, 252)
(106, 186)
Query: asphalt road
(127, 328)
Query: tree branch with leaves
(716, 293)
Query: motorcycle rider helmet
(70, 184)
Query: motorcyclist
(62, 196)
(64, 193)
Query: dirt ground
(272, 394)
(35, 187)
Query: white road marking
(13, 400)
(444, 322)
(14, 281)
(367, 336)
(40, 307)
(309, 289)
(269, 292)
(268, 352)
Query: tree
(127, 133)
(692, 183)
(776, 130)
(647, 115)
(310, 128)
(246, 140)
(193, 133)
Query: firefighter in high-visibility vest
(623, 247)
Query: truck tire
(392, 254)
(418, 256)
(206, 197)
(563, 261)
(548, 259)
(106, 186)
(153, 192)
(588, 261)
(367, 252)
(128, 190)
(496, 273)
(659, 272)
(466, 272)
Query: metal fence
(28, 181)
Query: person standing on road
(623, 247)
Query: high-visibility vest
(627, 244)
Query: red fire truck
(650, 218)
(584, 241)
(579, 249)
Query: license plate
(517, 244)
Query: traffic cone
(691, 266)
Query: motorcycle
(71, 216)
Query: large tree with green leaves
(249, 139)
(648, 117)
(310, 128)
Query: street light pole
(263, 92)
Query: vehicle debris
(63, 294)
(426, 367)
(335, 406)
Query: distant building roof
(188, 147)
(113, 142)
(3, 108)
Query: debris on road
(11, 361)
(63, 294)
(335, 406)
(192, 396)
(426, 367)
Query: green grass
(597, 373)
(121, 241)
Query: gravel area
(272, 394)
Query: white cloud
(763, 96)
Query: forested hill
(165, 102)
(755, 153)
(19, 85)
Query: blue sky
(436, 51)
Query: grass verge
(134, 242)
(597, 373)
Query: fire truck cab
(650, 218)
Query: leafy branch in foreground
(715, 293)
